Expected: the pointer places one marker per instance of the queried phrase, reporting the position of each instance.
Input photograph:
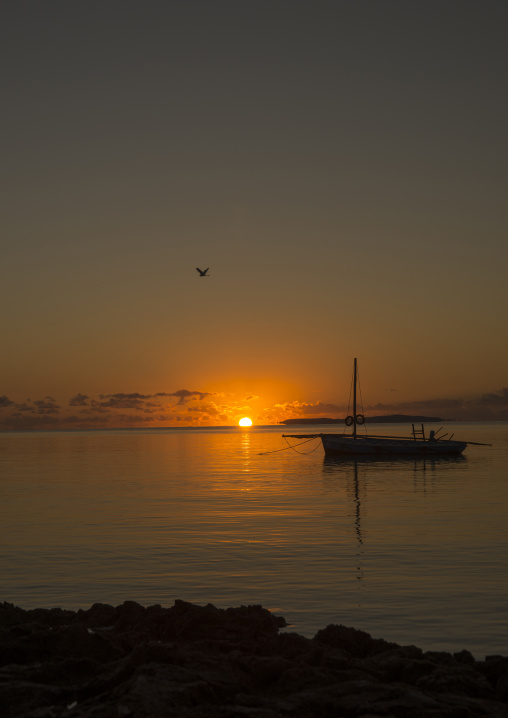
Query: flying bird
(203, 273)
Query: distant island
(389, 419)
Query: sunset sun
(245, 421)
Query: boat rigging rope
(361, 400)
(289, 446)
(362, 414)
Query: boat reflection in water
(361, 475)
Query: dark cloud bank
(136, 409)
(107, 410)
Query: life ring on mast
(349, 420)
(360, 419)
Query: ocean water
(410, 550)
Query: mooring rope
(289, 446)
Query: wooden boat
(435, 444)
(335, 444)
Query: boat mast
(354, 400)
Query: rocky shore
(203, 662)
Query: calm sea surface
(414, 551)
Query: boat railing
(418, 434)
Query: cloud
(419, 405)
(499, 400)
(211, 409)
(47, 406)
(96, 407)
(79, 400)
(291, 406)
(321, 408)
(25, 422)
(136, 400)
(25, 407)
(304, 409)
(130, 419)
(85, 420)
(492, 406)
(123, 401)
(201, 408)
(184, 395)
(132, 408)
(40, 406)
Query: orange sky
(340, 167)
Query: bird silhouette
(203, 273)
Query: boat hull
(339, 445)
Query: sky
(341, 167)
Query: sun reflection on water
(246, 452)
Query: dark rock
(192, 661)
(464, 657)
(467, 682)
(357, 643)
(99, 615)
(495, 669)
(11, 615)
(396, 665)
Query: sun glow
(245, 421)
